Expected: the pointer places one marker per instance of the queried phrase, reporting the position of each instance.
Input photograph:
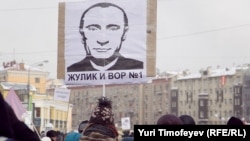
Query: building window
(237, 101)
(38, 112)
(174, 94)
(230, 101)
(37, 80)
(211, 113)
(201, 114)
(205, 90)
(37, 90)
(225, 113)
(201, 103)
(173, 104)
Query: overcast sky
(191, 34)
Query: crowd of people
(100, 125)
(170, 119)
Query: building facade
(211, 96)
(30, 83)
(128, 100)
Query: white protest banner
(116, 49)
(125, 123)
(62, 94)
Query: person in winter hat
(235, 121)
(11, 127)
(45, 139)
(101, 123)
(169, 119)
(72, 136)
(52, 134)
(187, 120)
(82, 125)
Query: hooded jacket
(11, 127)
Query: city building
(212, 96)
(142, 103)
(30, 85)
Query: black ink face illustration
(103, 27)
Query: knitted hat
(101, 122)
(102, 113)
(72, 136)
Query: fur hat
(82, 126)
(101, 123)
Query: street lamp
(28, 86)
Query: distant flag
(223, 80)
(15, 103)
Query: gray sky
(191, 34)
